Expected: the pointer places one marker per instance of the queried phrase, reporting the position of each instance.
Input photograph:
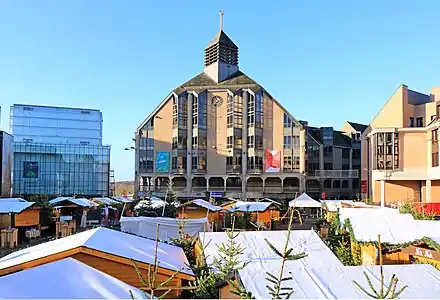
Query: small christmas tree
(172, 201)
(149, 282)
(277, 291)
(385, 290)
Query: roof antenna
(221, 19)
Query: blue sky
(326, 61)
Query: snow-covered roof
(78, 201)
(257, 250)
(105, 240)
(123, 199)
(106, 200)
(423, 281)
(245, 206)
(73, 280)
(273, 201)
(204, 204)
(334, 205)
(14, 205)
(304, 200)
(152, 202)
(393, 227)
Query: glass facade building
(61, 169)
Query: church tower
(221, 56)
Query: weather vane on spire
(221, 19)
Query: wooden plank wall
(29, 217)
(125, 273)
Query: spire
(222, 13)
(221, 55)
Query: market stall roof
(122, 199)
(257, 250)
(14, 205)
(83, 202)
(304, 200)
(273, 201)
(106, 200)
(202, 203)
(334, 205)
(168, 227)
(75, 279)
(393, 227)
(246, 206)
(108, 241)
(152, 202)
(423, 281)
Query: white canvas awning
(304, 200)
(169, 227)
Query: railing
(273, 189)
(337, 173)
(255, 171)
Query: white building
(56, 125)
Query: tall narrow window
(419, 122)
(230, 112)
(251, 110)
(287, 121)
(195, 107)
(202, 111)
(411, 122)
(435, 157)
(287, 142)
(259, 110)
(182, 112)
(386, 151)
(174, 112)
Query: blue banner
(162, 162)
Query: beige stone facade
(219, 131)
(400, 156)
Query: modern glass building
(58, 151)
(63, 169)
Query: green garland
(388, 246)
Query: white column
(428, 191)
(189, 131)
(382, 193)
(244, 134)
(321, 157)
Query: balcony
(337, 173)
(232, 170)
(179, 171)
(255, 171)
(273, 189)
